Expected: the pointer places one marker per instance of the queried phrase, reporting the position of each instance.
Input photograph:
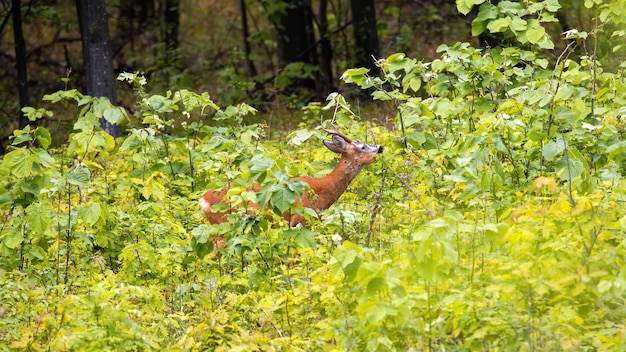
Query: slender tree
(171, 21)
(296, 36)
(252, 72)
(98, 60)
(20, 59)
(326, 51)
(366, 44)
(135, 18)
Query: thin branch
(410, 189)
(379, 196)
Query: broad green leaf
(499, 25)
(39, 216)
(12, 239)
(282, 199)
(552, 149)
(90, 213)
(22, 136)
(355, 75)
(261, 165)
(465, 6)
(487, 11)
(79, 176)
(478, 27)
(411, 119)
(305, 238)
(518, 24)
(569, 168)
(300, 136)
(35, 252)
(18, 162)
(43, 137)
(42, 158)
(131, 143)
(5, 197)
(375, 285)
(201, 242)
(347, 257)
(114, 115)
(535, 34)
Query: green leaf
(355, 75)
(200, 240)
(39, 216)
(499, 25)
(552, 149)
(347, 258)
(465, 6)
(487, 11)
(79, 177)
(22, 136)
(262, 164)
(478, 27)
(43, 158)
(35, 252)
(5, 197)
(300, 136)
(12, 239)
(569, 168)
(518, 24)
(282, 199)
(18, 162)
(375, 285)
(305, 238)
(536, 34)
(114, 115)
(43, 137)
(90, 213)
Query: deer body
(327, 189)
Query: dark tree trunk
(367, 48)
(135, 17)
(296, 37)
(20, 60)
(171, 21)
(326, 51)
(94, 30)
(252, 72)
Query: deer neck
(331, 187)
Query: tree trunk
(326, 52)
(366, 44)
(171, 21)
(94, 30)
(135, 18)
(252, 72)
(20, 60)
(296, 37)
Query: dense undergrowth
(494, 219)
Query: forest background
(494, 219)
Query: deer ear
(337, 145)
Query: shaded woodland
(273, 55)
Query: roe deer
(327, 189)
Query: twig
(410, 189)
(375, 208)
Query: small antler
(335, 132)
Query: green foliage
(519, 20)
(493, 220)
